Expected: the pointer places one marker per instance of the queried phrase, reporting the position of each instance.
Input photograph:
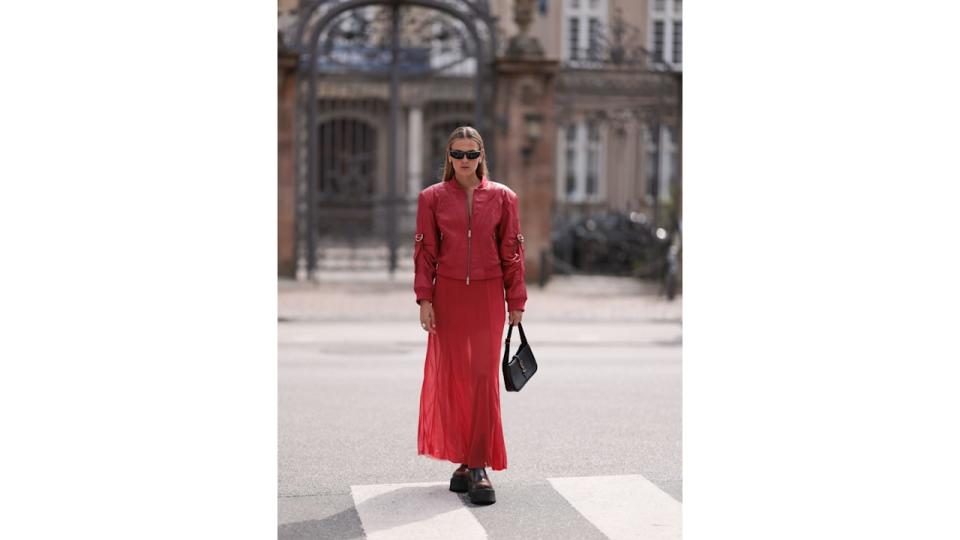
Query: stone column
(415, 151)
(286, 177)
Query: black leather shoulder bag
(521, 367)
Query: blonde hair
(464, 132)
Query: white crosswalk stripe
(415, 511)
(623, 507)
(619, 506)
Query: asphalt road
(605, 403)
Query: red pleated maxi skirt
(460, 397)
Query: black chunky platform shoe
(458, 482)
(479, 487)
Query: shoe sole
(458, 484)
(483, 496)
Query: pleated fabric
(460, 398)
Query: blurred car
(610, 242)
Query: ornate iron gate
(351, 184)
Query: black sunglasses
(458, 154)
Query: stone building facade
(582, 114)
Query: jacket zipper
(469, 235)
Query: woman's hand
(515, 317)
(428, 321)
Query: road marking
(620, 506)
(414, 511)
(625, 506)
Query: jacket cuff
(516, 305)
(423, 296)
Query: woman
(468, 257)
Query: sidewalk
(565, 298)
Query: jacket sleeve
(425, 248)
(511, 253)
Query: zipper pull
(468, 233)
(468, 280)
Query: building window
(666, 31)
(650, 147)
(573, 38)
(581, 178)
(670, 177)
(658, 40)
(570, 168)
(661, 164)
(677, 42)
(594, 38)
(593, 158)
(583, 28)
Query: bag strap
(523, 337)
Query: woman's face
(465, 164)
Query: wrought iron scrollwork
(476, 12)
(358, 40)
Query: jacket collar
(484, 184)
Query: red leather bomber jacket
(484, 244)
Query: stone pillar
(526, 134)
(414, 151)
(526, 144)
(286, 177)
